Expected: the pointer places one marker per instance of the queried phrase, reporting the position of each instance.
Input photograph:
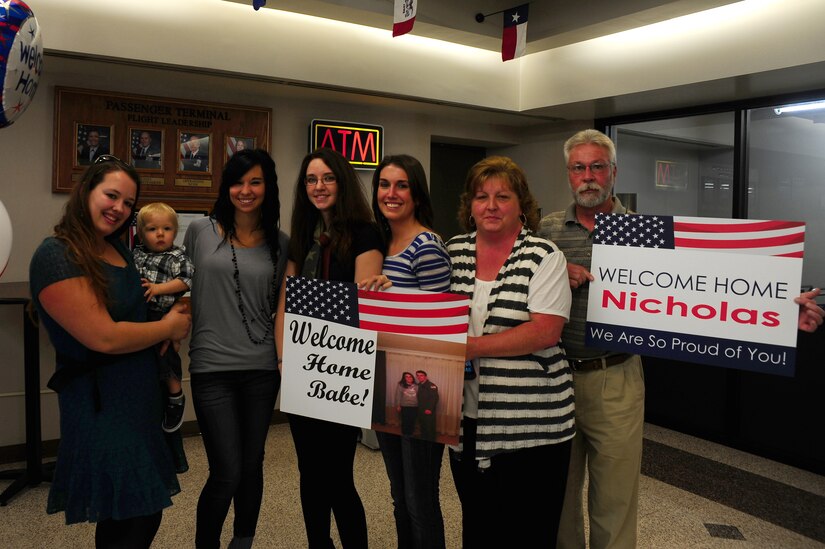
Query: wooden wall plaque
(179, 147)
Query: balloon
(21, 59)
(5, 238)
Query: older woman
(510, 468)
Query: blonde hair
(156, 208)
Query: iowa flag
(403, 17)
(514, 38)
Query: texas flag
(514, 39)
(404, 17)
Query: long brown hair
(75, 228)
(350, 209)
(417, 180)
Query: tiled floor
(694, 494)
(698, 494)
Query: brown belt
(598, 363)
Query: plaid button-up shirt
(160, 267)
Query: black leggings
(132, 533)
(234, 411)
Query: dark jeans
(326, 455)
(517, 501)
(414, 470)
(169, 362)
(132, 533)
(234, 411)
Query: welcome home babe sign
(332, 334)
(703, 290)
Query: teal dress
(113, 461)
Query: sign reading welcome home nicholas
(703, 290)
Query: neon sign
(361, 144)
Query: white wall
(231, 37)
(720, 45)
(735, 40)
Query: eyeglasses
(107, 158)
(596, 168)
(326, 179)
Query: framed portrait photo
(194, 155)
(235, 143)
(146, 148)
(91, 141)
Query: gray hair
(590, 137)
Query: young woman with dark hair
(416, 259)
(239, 255)
(333, 237)
(87, 293)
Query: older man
(609, 387)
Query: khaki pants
(608, 443)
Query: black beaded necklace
(237, 276)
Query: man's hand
(810, 314)
(578, 275)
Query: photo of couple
(418, 387)
(416, 399)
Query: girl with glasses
(333, 237)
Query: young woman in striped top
(416, 258)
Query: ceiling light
(811, 106)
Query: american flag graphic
(414, 313)
(234, 143)
(132, 239)
(745, 236)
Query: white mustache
(588, 187)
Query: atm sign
(361, 144)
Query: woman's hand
(169, 343)
(540, 332)
(375, 283)
(179, 321)
(810, 314)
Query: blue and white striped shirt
(424, 265)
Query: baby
(166, 274)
